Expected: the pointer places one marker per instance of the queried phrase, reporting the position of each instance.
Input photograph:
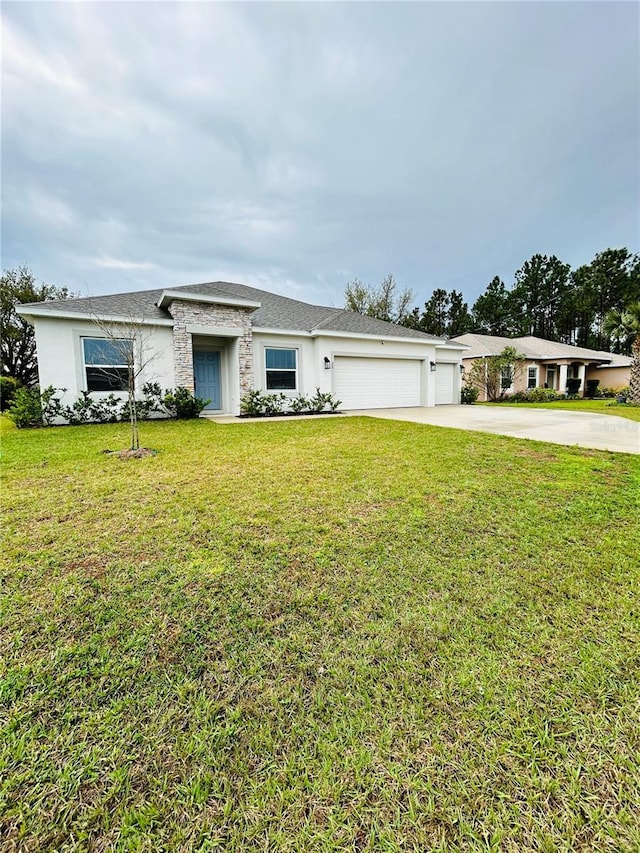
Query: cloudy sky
(295, 146)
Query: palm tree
(624, 327)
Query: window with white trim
(532, 377)
(281, 367)
(506, 378)
(106, 363)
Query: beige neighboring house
(549, 364)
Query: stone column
(582, 369)
(183, 357)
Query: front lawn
(600, 407)
(336, 635)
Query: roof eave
(33, 312)
(168, 296)
(368, 336)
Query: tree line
(546, 299)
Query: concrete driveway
(585, 429)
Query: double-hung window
(281, 369)
(106, 363)
(506, 378)
(532, 377)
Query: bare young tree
(116, 359)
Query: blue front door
(206, 372)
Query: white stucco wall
(60, 359)
(312, 352)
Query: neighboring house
(221, 340)
(549, 364)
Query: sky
(296, 146)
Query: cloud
(295, 146)
(121, 264)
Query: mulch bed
(139, 453)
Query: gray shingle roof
(276, 312)
(529, 346)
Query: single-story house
(221, 340)
(548, 363)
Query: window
(106, 363)
(282, 369)
(532, 377)
(506, 378)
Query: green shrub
(8, 388)
(273, 404)
(469, 394)
(573, 386)
(252, 404)
(606, 391)
(620, 390)
(535, 395)
(26, 409)
(182, 404)
(320, 402)
(255, 404)
(298, 405)
(592, 388)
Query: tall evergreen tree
(541, 285)
(491, 310)
(459, 320)
(608, 283)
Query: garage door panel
(445, 388)
(377, 383)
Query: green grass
(337, 635)
(600, 407)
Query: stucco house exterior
(221, 339)
(548, 363)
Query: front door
(206, 372)
(551, 377)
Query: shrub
(252, 404)
(273, 404)
(182, 404)
(469, 394)
(298, 405)
(51, 405)
(573, 386)
(8, 388)
(319, 401)
(535, 395)
(87, 410)
(592, 388)
(613, 392)
(149, 404)
(26, 409)
(255, 404)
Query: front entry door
(206, 372)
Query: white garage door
(445, 374)
(376, 383)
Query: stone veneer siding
(204, 314)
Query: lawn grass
(600, 407)
(337, 635)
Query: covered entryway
(446, 386)
(377, 383)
